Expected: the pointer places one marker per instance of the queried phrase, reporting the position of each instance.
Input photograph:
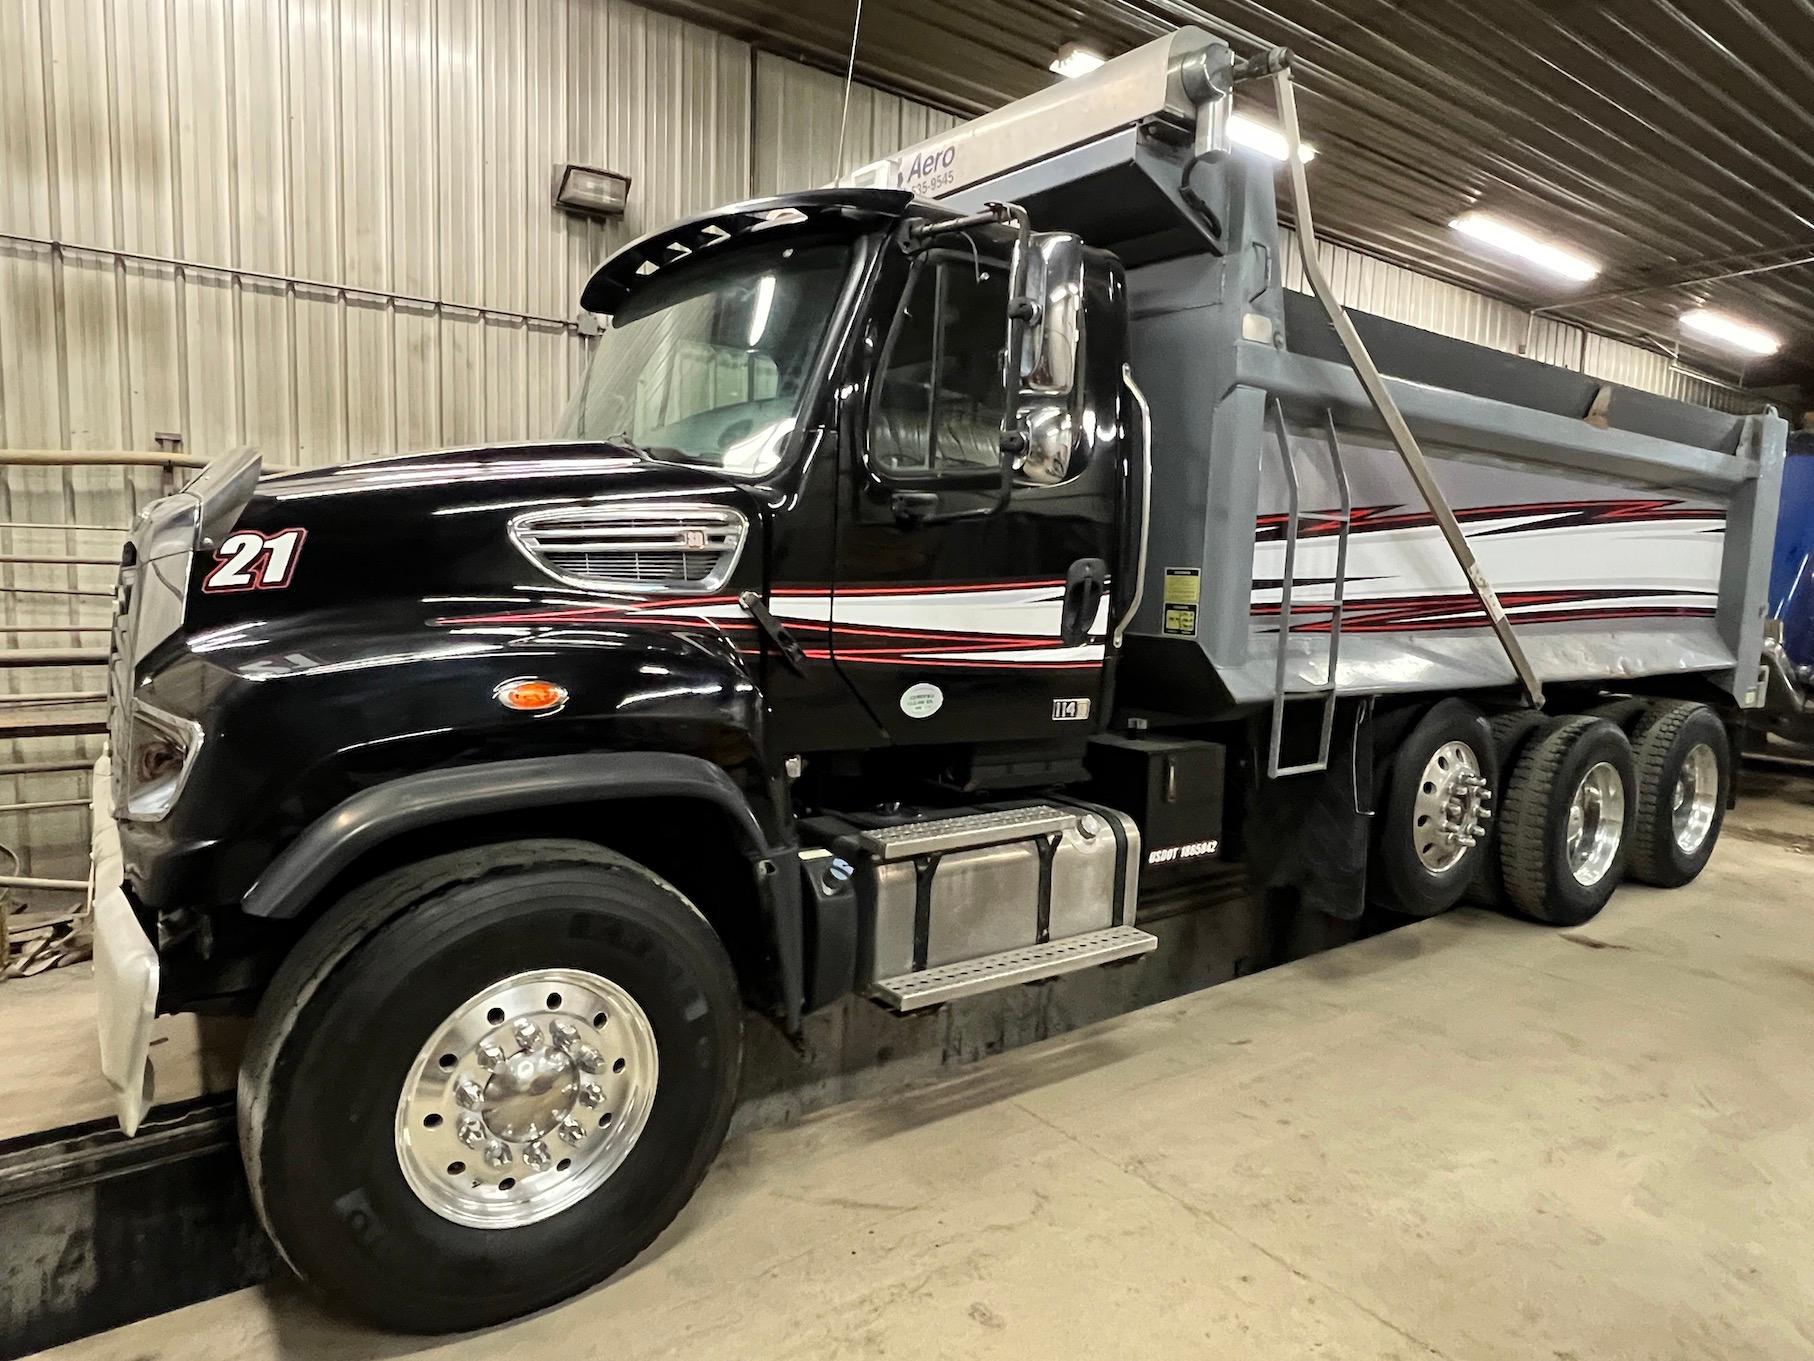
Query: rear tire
(1419, 870)
(1569, 808)
(1510, 731)
(338, 1047)
(1684, 773)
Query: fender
(368, 819)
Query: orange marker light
(531, 695)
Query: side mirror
(1054, 283)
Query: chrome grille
(634, 548)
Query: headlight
(163, 749)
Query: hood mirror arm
(775, 631)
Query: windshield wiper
(649, 453)
(625, 440)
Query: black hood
(477, 467)
(412, 529)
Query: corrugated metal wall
(374, 147)
(322, 227)
(797, 115)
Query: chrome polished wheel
(526, 1099)
(1452, 807)
(1596, 823)
(1697, 795)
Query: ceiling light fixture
(1074, 59)
(1503, 236)
(1267, 140)
(1730, 331)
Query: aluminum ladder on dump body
(1342, 518)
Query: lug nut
(497, 1154)
(571, 1130)
(591, 1094)
(536, 1156)
(468, 1093)
(589, 1058)
(471, 1131)
(565, 1034)
(491, 1055)
(526, 1033)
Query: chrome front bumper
(125, 965)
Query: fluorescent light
(1503, 236)
(1731, 331)
(1268, 141)
(765, 299)
(1074, 59)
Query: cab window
(939, 398)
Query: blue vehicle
(1792, 572)
(1790, 655)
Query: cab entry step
(938, 835)
(1026, 964)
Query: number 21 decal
(250, 561)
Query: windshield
(709, 366)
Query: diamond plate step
(975, 829)
(1028, 964)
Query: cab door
(957, 620)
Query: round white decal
(922, 700)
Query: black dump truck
(925, 564)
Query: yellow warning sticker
(1183, 591)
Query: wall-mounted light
(1546, 255)
(1730, 332)
(590, 192)
(1268, 141)
(1074, 59)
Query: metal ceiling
(1671, 140)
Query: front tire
(380, 1169)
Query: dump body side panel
(1632, 547)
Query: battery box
(1172, 788)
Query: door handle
(913, 507)
(1083, 588)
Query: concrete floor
(52, 1072)
(1470, 1138)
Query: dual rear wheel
(1547, 815)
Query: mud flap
(1310, 832)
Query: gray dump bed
(1634, 544)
